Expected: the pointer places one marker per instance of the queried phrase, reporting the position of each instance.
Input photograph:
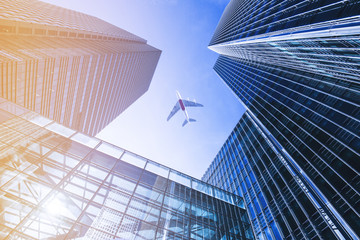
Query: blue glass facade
(295, 66)
(232, 169)
(57, 183)
(249, 18)
(278, 199)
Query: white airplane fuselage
(182, 106)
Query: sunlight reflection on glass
(55, 207)
(58, 206)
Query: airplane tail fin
(186, 121)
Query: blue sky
(182, 29)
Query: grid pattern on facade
(81, 82)
(331, 57)
(250, 165)
(62, 184)
(32, 17)
(295, 66)
(253, 18)
(61, 79)
(322, 140)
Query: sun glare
(56, 207)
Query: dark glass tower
(277, 196)
(295, 66)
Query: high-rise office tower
(58, 183)
(295, 66)
(71, 67)
(278, 201)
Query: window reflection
(128, 170)
(121, 183)
(134, 160)
(54, 187)
(85, 139)
(101, 159)
(153, 180)
(110, 150)
(149, 194)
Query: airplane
(182, 103)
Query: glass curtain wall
(295, 66)
(57, 183)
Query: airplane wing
(174, 110)
(188, 103)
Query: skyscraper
(60, 183)
(70, 67)
(57, 183)
(295, 66)
(277, 197)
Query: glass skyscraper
(70, 67)
(58, 183)
(295, 154)
(64, 76)
(276, 195)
